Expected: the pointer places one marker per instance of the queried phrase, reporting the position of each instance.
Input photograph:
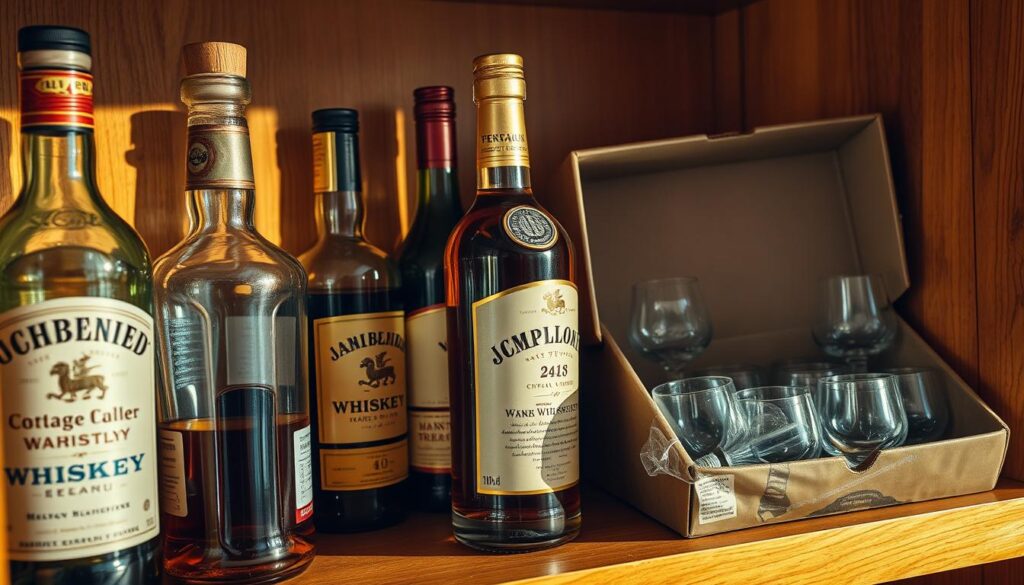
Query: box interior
(759, 218)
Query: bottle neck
(502, 153)
(219, 176)
(438, 200)
(57, 146)
(59, 170)
(337, 182)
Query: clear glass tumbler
(702, 413)
(855, 319)
(861, 414)
(669, 322)
(926, 401)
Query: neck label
(56, 98)
(501, 134)
(219, 157)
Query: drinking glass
(926, 402)
(743, 375)
(670, 322)
(855, 319)
(806, 374)
(783, 422)
(860, 415)
(702, 412)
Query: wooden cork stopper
(214, 57)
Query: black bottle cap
(60, 38)
(336, 120)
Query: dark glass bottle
(77, 345)
(422, 265)
(513, 341)
(357, 341)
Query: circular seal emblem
(201, 156)
(530, 227)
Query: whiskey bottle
(422, 265)
(357, 335)
(77, 365)
(513, 341)
(235, 445)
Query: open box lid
(759, 218)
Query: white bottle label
(79, 428)
(429, 420)
(526, 357)
(303, 474)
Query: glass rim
(651, 281)
(678, 388)
(786, 393)
(849, 381)
(863, 276)
(910, 370)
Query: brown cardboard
(759, 218)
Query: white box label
(716, 498)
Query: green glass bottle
(76, 345)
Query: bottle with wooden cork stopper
(234, 440)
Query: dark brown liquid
(486, 262)
(230, 524)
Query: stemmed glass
(702, 412)
(861, 414)
(855, 319)
(669, 322)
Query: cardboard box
(760, 219)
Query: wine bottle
(77, 365)
(513, 338)
(422, 266)
(357, 335)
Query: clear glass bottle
(422, 265)
(236, 485)
(357, 336)
(77, 366)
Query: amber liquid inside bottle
(483, 262)
(243, 475)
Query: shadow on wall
(7, 157)
(158, 156)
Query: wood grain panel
(595, 77)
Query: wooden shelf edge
(872, 552)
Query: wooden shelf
(620, 545)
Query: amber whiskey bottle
(422, 265)
(357, 341)
(513, 341)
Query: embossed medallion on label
(530, 227)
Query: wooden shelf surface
(620, 545)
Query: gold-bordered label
(526, 380)
(530, 227)
(325, 162)
(361, 396)
(56, 97)
(364, 468)
(219, 157)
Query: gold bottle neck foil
(502, 152)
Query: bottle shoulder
(482, 229)
(227, 256)
(338, 264)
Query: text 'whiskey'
(422, 265)
(235, 439)
(358, 346)
(513, 341)
(76, 344)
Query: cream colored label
(501, 134)
(526, 356)
(364, 468)
(218, 157)
(79, 420)
(360, 390)
(427, 331)
(430, 441)
(325, 157)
